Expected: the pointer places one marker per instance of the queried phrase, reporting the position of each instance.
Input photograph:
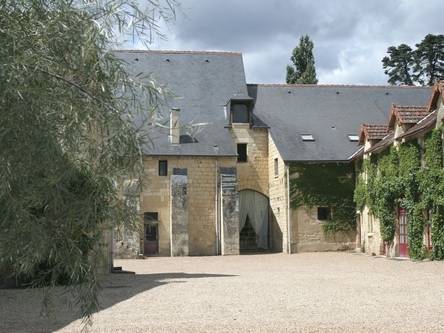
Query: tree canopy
(65, 136)
(423, 65)
(302, 70)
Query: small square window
(353, 137)
(163, 168)
(276, 167)
(307, 137)
(324, 213)
(239, 113)
(242, 152)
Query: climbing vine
(432, 187)
(328, 185)
(396, 179)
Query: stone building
(405, 124)
(218, 174)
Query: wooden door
(403, 233)
(151, 242)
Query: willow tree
(66, 139)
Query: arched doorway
(253, 220)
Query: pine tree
(429, 58)
(303, 68)
(398, 65)
(424, 65)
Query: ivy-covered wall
(328, 185)
(397, 178)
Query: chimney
(174, 126)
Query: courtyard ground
(310, 292)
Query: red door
(403, 235)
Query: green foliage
(398, 64)
(395, 179)
(303, 68)
(429, 59)
(432, 187)
(65, 139)
(424, 65)
(383, 191)
(325, 185)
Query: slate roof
(329, 112)
(202, 83)
(372, 132)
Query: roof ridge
(333, 85)
(410, 106)
(179, 52)
(374, 125)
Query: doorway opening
(253, 222)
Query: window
(163, 168)
(276, 167)
(186, 138)
(150, 217)
(242, 152)
(324, 213)
(239, 113)
(307, 137)
(353, 137)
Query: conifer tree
(398, 64)
(429, 59)
(422, 66)
(302, 70)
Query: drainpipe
(288, 210)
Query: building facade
(407, 125)
(220, 174)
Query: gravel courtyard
(311, 292)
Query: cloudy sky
(350, 36)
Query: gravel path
(311, 292)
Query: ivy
(383, 191)
(432, 187)
(396, 178)
(329, 185)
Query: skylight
(353, 137)
(307, 137)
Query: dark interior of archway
(248, 237)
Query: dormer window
(239, 113)
(241, 107)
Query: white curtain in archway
(255, 206)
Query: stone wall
(278, 199)
(371, 241)
(126, 243)
(202, 192)
(252, 174)
(229, 212)
(179, 212)
(308, 235)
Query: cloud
(350, 37)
